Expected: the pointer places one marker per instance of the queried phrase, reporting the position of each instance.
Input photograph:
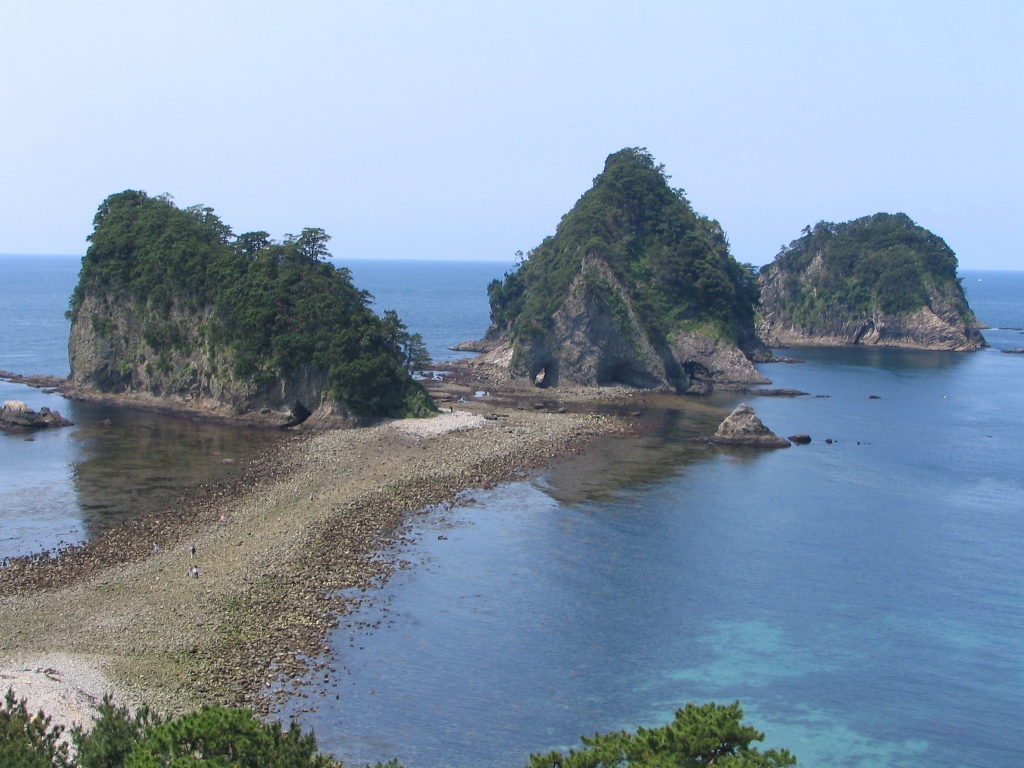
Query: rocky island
(634, 288)
(743, 427)
(18, 417)
(174, 312)
(879, 280)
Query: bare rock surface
(67, 688)
(779, 392)
(743, 427)
(38, 380)
(15, 415)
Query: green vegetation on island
(860, 280)
(884, 262)
(172, 302)
(705, 735)
(675, 261)
(633, 251)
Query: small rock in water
(15, 415)
(800, 438)
(742, 427)
(874, 397)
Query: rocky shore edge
(286, 549)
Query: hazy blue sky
(465, 130)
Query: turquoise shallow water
(864, 600)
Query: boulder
(742, 427)
(18, 416)
(799, 439)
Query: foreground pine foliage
(699, 736)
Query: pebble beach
(283, 552)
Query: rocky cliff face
(880, 280)
(942, 324)
(634, 289)
(111, 357)
(598, 339)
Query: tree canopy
(274, 306)
(698, 736)
(29, 740)
(675, 261)
(883, 262)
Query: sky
(465, 130)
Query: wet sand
(308, 519)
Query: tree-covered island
(880, 280)
(172, 307)
(633, 288)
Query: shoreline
(286, 549)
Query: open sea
(863, 599)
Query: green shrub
(27, 740)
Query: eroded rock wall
(598, 339)
(944, 323)
(111, 356)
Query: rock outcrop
(38, 380)
(633, 289)
(17, 416)
(742, 427)
(881, 280)
(113, 361)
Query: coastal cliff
(634, 288)
(880, 280)
(173, 311)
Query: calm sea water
(864, 600)
(66, 485)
